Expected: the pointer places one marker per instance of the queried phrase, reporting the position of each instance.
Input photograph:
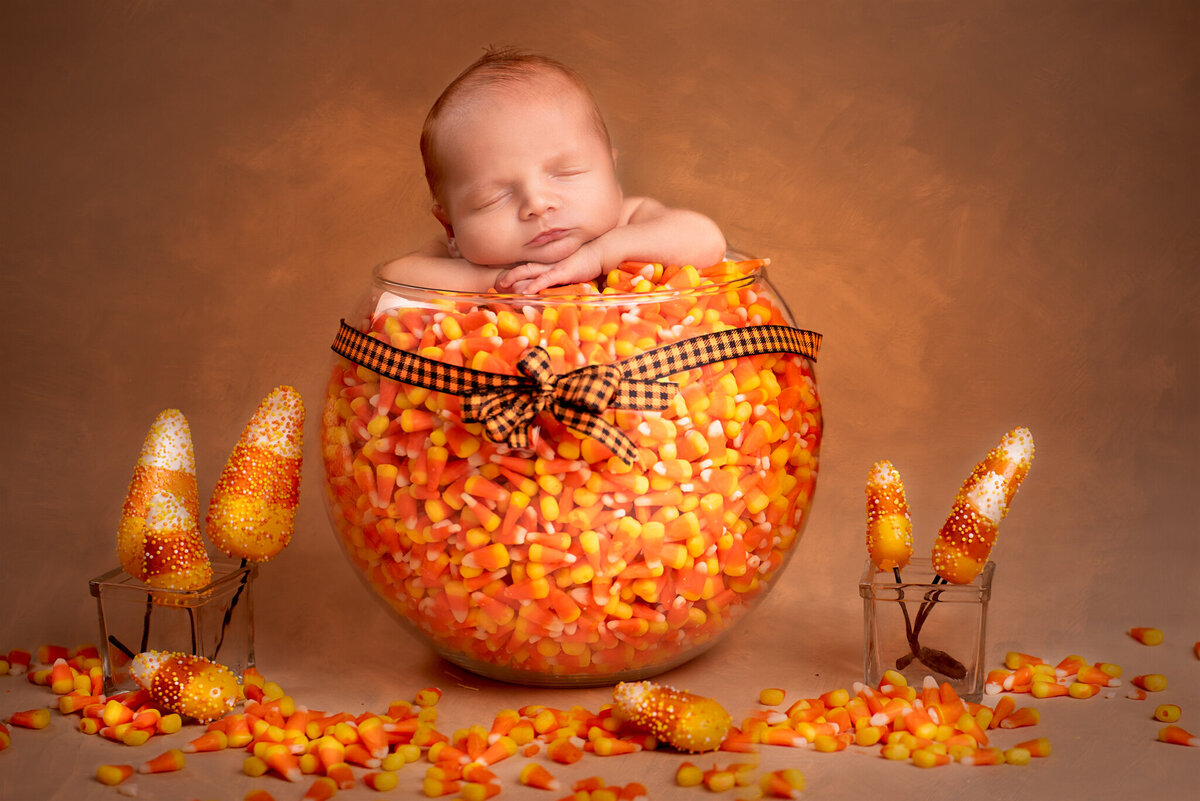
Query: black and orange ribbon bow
(506, 405)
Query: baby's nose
(538, 201)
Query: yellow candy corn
(253, 507)
(685, 721)
(962, 546)
(889, 527)
(167, 464)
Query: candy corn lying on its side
(188, 685)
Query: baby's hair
(499, 67)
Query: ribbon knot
(577, 398)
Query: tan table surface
(1103, 747)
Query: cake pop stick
(685, 721)
(185, 684)
(166, 465)
(253, 506)
(966, 538)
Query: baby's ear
(440, 214)
(444, 219)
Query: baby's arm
(434, 267)
(649, 231)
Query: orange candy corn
(1178, 736)
(31, 718)
(534, 775)
(164, 763)
(966, 538)
(253, 507)
(889, 526)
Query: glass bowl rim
(758, 272)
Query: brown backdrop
(988, 209)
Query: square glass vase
(920, 629)
(215, 621)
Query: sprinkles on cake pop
(253, 507)
(681, 719)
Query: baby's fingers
(508, 279)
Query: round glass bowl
(558, 563)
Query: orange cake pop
(253, 507)
(174, 557)
(962, 546)
(167, 464)
(682, 720)
(187, 685)
(889, 527)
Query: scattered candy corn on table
(1103, 746)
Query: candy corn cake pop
(253, 507)
(167, 465)
(184, 684)
(889, 527)
(174, 557)
(962, 546)
(682, 720)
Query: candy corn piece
(1146, 635)
(965, 541)
(253, 506)
(185, 684)
(1178, 736)
(174, 557)
(889, 527)
(167, 464)
(685, 721)
(164, 763)
(31, 718)
(113, 774)
(534, 775)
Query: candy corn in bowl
(586, 486)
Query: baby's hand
(582, 265)
(517, 279)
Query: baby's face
(525, 176)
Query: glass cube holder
(924, 629)
(215, 621)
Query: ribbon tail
(588, 424)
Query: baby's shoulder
(635, 209)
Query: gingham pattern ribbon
(506, 404)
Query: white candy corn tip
(1017, 446)
(882, 474)
(145, 665)
(278, 423)
(168, 445)
(164, 512)
(988, 497)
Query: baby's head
(519, 162)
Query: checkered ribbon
(506, 404)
